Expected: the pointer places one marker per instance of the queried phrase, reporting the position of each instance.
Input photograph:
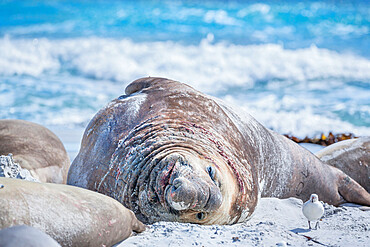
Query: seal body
(70, 215)
(25, 236)
(36, 149)
(169, 152)
(352, 157)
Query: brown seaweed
(323, 140)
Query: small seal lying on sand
(72, 216)
(35, 148)
(169, 152)
(350, 156)
(313, 210)
(17, 236)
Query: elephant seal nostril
(193, 193)
(181, 194)
(176, 183)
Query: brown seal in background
(352, 157)
(70, 215)
(35, 148)
(169, 152)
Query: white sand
(276, 222)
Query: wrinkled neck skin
(170, 170)
(285, 169)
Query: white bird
(313, 210)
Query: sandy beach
(276, 222)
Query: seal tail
(350, 190)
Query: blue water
(299, 67)
(338, 25)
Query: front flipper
(350, 190)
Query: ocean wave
(209, 66)
(303, 120)
(302, 92)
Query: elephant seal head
(195, 189)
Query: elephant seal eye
(201, 215)
(211, 172)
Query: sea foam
(207, 66)
(67, 80)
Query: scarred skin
(70, 215)
(169, 152)
(36, 149)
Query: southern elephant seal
(35, 148)
(70, 215)
(350, 156)
(23, 235)
(169, 152)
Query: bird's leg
(309, 225)
(317, 225)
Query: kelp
(324, 140)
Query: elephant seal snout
(192, 189)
